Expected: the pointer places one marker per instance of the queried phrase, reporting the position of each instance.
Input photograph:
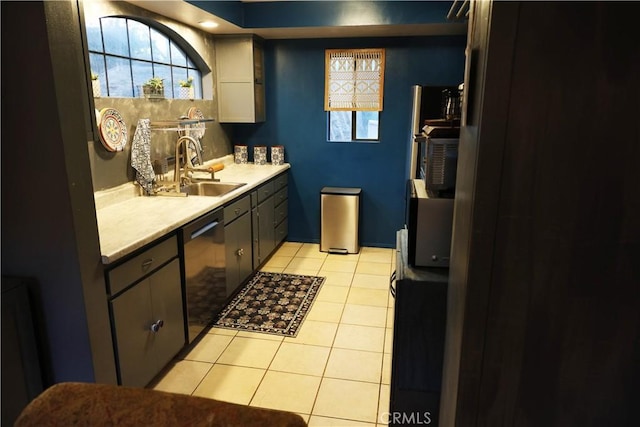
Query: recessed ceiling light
(208, 24)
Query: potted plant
(186, 88)
(153, 88)
(95, 85)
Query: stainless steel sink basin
(208, 188)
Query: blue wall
(294, 71)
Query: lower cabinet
(145, 291)
(147, 317)
(281, 202)
(262, 218)
(149, 325)
(238, 245)
(269, 213)
(418, 341)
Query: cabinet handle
(146, 263)
(237, 211)
(155, 327)
(240, 252)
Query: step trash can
(339, 220)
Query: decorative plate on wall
(197, 130)
(113, 129)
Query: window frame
(193, 64)
(354, 82)
(354, 125)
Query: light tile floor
(335, 372)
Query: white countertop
(127, 221)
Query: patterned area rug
(272, 303)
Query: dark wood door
(544, 312)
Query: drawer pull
(155, 327)
(147, 263)
(237, 211)
(240, 252)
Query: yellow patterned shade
(354, 79)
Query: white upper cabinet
(239, 66)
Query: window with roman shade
(354, 79)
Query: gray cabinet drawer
(281, 212)
(280, 181)
(236, 209)
(140, 265)
(265, 191)
(281, 195)
(281, 231)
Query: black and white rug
(273, 303)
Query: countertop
(128, 221)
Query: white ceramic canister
(240, 154)
(260, 155)
(277, 155)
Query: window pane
(96, 62)
(94, 35)
(160, 47)
(119, 77)
(164, 72)
(115, 36)
(340, 126)
(367, 125)
(178, 74)
(139, 40)
(137, 53)
(177, 56)
(197, 80)
(142, 71)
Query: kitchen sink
(208, 188)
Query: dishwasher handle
(202, 225)
(201, 231)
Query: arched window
(125, 53)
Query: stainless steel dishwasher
(204, 268)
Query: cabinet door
(238, 251)
(255, 243)
(235, 59)
(266, 228)
(166, 306)
(236, 102)
(141, 352)
(245, 264)
(132, 317)
(240, 74)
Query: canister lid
(342, 190)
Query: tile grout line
(331, 350)
(265, 373)
(212, 363)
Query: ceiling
(192, 15)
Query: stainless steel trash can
(339, 220)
